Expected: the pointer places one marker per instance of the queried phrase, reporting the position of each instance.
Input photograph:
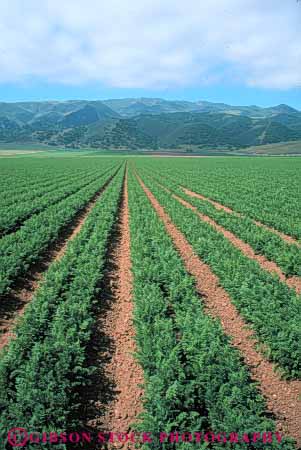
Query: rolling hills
(147, 124)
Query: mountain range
(147, 123)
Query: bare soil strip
(270, 266)
(246, 249)
(13, 305)
(217, 205)
(114, 400)
(282, 396)
(21, 222)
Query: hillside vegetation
(147, 124)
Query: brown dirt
(295, 283)
(201, 197)
(284, 236)
(115, 399)
(13, 305)
(246, 249)
(282, 396)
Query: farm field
(155, 296)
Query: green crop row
(22, 193)
(264, 189)
(21, 249)
(194, 379)
(20, 177)
(262, 240)
(12, 184)
(45, 364)
(15, 214)
(266, 303)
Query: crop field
(150, 302)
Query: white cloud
(152, 43)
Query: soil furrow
(13, 304)
(282, 396)
(20, 223)
(217, 205)
(246, 249)
(113, 402)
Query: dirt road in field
(282, 396)
(13, 305)
(114, 400)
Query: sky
(240, 52)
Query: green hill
(147, 124)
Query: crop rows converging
(262, 240)
(266, 190)
(166, 308)
(19, 250)
(256, 294)
(45, 362)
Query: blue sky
(234, 51)
(235, 95)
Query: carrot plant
(262, 240)
(23, 248)
(269, 306)
(194, 379)
(46, 362)
(33, 202)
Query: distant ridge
(147, 123)
(132, 106)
